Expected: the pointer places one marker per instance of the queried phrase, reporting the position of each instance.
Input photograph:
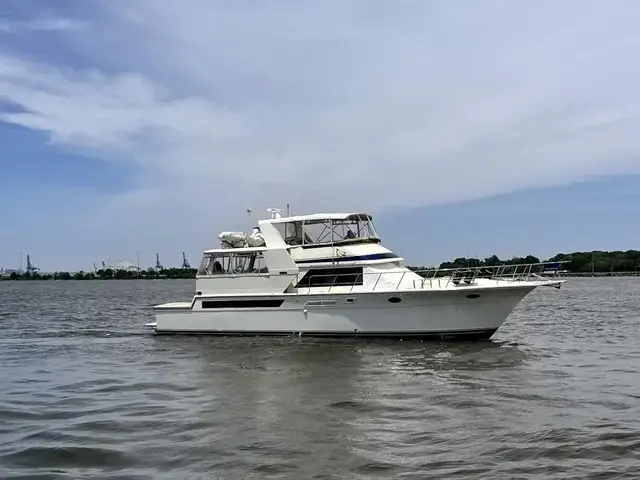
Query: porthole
(473, 295)
(395, 299)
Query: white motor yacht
(327, 274)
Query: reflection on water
(86, 392)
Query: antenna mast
(275, 212)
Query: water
(87, 392)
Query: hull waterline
(470, 335)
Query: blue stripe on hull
(352, 258)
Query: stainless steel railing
(430, 278)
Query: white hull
(465, 313)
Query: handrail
(430, 278)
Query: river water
(87, 392)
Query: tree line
(576, 262)
(106, 274)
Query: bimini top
(320, 217)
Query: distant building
(5, 272)
(120, 265)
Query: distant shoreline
(47, 279)
(107, 274)
(577, 264)
(78, 276)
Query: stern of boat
(169, 312)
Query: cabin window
(237, 303)
(232, 263)
(293, 233)
(332, 277)
(352, 228)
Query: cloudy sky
(464, 127)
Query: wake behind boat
(327, 274)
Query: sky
(465, 128)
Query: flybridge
(307, 231)
(326, 229)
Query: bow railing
(428, 278)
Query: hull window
(257, 303)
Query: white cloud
(337, 105)
(40, 25)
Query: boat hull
(463, 314)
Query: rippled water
(87, 392)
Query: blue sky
(464, 127)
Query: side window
(332, 277)
(214, 265)
(253, 263)
(282, 230)
(217, 266)
(204, 265)
(293, 233)
(233, 264)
